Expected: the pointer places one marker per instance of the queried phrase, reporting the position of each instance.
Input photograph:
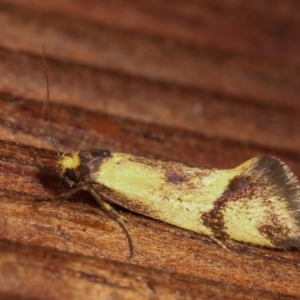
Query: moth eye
(71, 175)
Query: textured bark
(155, 80)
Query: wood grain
(188, 82)
(79, 226)
(72, 275)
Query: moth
(257, 202)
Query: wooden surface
(206, 83)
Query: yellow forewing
(171, 191)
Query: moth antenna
(54, 142)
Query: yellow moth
(257, 202)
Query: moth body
(257, 202)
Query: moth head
(68, 168)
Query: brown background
(206, 83)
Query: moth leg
(62, 195)
(219, 243)
(69, 193)
(113, 214)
